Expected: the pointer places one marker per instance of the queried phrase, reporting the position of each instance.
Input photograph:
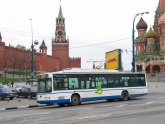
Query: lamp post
(133, 40)
(32, 53)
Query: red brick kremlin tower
(60, 45)
(12, 58)
(150, 45)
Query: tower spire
(43, 47)
(60, 15)
(60, 34)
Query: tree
(13, 61)
(21, 47)
(6, 61)
(27, 63)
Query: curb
(22, 107)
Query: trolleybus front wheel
(75, 100)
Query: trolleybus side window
(87, 82)
(143, 81)
(41, 87)
(82, 84)
(104, 80)
(45, 85)
(60, 82)
(48, 86)
(129, 79)
(111, 82)
(73, 83)
(98, 81)
(137, 80)
(122, 80)
(82, 81)
(125, 81)
(91, 80)
(101, 80)
(140, 80)
(93, 84)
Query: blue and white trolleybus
(73, 86)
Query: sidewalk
(16, 102)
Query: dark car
(6, 92)
(27, 92)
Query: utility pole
(133, 39)
(32, 53)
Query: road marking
(26, 106)
(45, 113)
(148, 103)
(1, 109)
(122, 105)
(94, 116)
(80, 109)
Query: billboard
(113, 59)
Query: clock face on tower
(60, 33)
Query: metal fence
(156, 77)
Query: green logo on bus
(99, 89)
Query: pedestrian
(12, 83)
(4, 83)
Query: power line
(102, 43)
(49, 37)
(88, 45)
(24, 33)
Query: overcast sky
(92, 26)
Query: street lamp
(133, 40)
(32, 53)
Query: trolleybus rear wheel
(124, 96)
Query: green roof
(60, 15)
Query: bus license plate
(61, 97)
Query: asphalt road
(149, 109)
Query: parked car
(27, 92)
(31, 82)
(18, 87)
(6, 92)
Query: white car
(18, 87)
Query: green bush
(3, 79)
(21, 72)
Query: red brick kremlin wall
(14, 58)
